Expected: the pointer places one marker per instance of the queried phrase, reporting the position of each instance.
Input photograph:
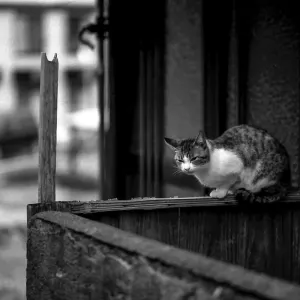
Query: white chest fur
(223, 165)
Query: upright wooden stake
(47, 129)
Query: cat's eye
(195, 158)
(179, 160)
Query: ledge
(87, 207)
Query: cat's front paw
(218, 193)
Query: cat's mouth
(188, 172)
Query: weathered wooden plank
(295, 243)
(70, 257)
(162, 225)
(262, 239)
(109, 218)
(197, 230)
(155, 224)
(47, 129)
(87, 207)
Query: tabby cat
(245, 161)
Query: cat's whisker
(176, 172)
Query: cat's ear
(200, 139)
(172, 143)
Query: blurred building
(29, 27)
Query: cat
(244, 161)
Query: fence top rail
(195, 264)
(87, 207)
(161, 203)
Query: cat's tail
(286, 178)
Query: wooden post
(47, 129)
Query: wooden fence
(261, 238)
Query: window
(28, 32)
(75, 22)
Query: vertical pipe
(101, 106)
(159, 92)
(142, 116)
(157, 121)
(149, 118)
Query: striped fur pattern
(245, 161)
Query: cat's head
(190, 154)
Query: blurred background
(28, 28)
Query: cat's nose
(186, 166)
